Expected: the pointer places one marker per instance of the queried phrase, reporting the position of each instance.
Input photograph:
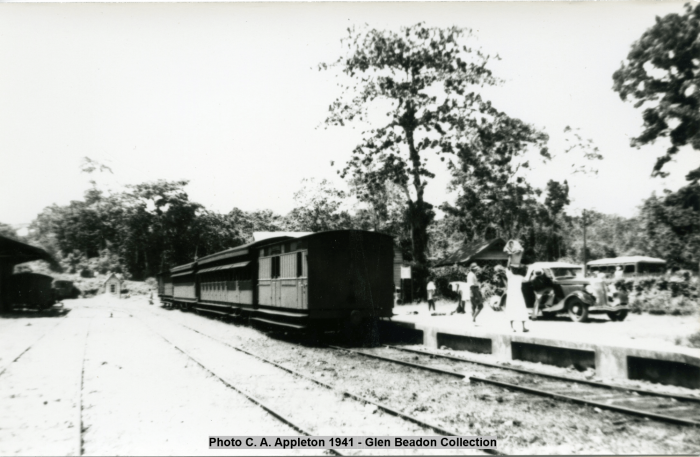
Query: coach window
(629, 268)
(300, 267)
(275, 266)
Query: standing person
(543, 286)
(462, 291)
(431, 295)
(475, 297)
(516, 310)
(619, 272)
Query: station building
(13, 252)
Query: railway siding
(316, 409)
(40, 394)
(517, 419)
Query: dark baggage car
(31, 290)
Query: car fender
(581, 295)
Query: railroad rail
(4, 369)
(641, 403)
(381, 406)
(81, 429)
(276, 414)
(548, 375)
(387, 409)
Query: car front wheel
(578, 310)
(618, 316)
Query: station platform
(643, 347)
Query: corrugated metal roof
(628, 259)
(261, 236)
(184, 273)
(465, 254)
(224, 267)
(179, 268)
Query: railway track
(675, 409)
(279, 416)
(387, 409)
(81, 428)
(4, 369)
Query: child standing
(431, 295)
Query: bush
(444, 276)
(106, 262)
(491, 281)
(151, 282)
(694, 340)
(662, 302)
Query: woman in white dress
(516, 310)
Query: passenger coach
(321, 280)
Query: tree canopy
(418, 89)
(662, 75)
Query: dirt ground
(122, 372)
(139, 395)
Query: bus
(631, 266)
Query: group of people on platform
(514, 272)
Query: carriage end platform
(640, 348)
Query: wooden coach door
(302, 280)
(293, 283)
(282, 278)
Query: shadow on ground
(34, 314)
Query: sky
(229, 96)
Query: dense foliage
(418, 89)
(662, 76)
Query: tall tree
(381, 207)
(8, 231)
(662, 75)
(424, 82)
(671, 226)
(319, 208)
(256, 221)
(494, 198)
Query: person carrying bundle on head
(516, 309)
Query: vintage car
(65, 289)
(574, 294)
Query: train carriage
(165, 288)
(226, 281)
(322, 280)
(325, 279)
(184, 282)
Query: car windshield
(568, 272)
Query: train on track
(31, 290)
(321, 281)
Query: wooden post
(585, 253)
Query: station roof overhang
(13, 252)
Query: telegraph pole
(585, 251)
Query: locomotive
(320, 281)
